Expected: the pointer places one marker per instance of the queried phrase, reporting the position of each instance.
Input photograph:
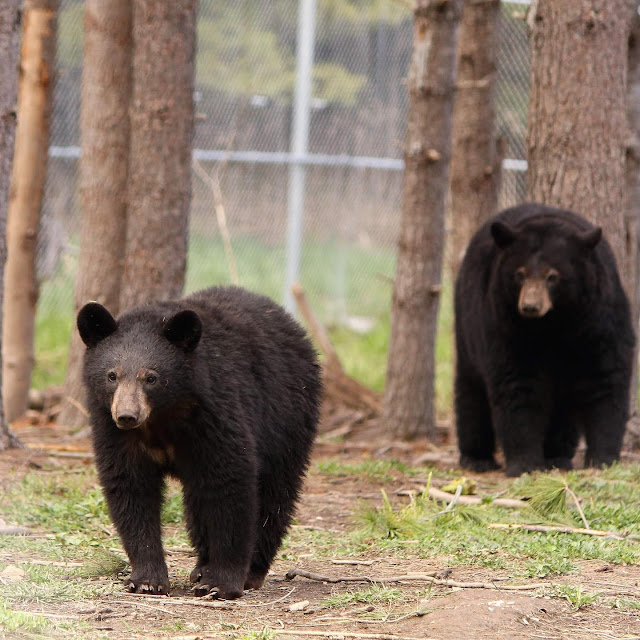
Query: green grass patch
(374, 594)
(609, 499)
(12, 621)
(575, 595)
(368, 470)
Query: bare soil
(440, 612)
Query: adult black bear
(222, 390)
(544, 343)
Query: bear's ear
(589, 239)
(95, 323)
(503, 234)
(184, 329)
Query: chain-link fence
(246, 101)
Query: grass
(575, 595)
(369, 470)
(70, 514)
(610, 500)
(340, 283)
(374, 594)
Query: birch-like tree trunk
(9, 56)
(408, 404)
(159, 186)
(25, 201)
(476, 158)
(104, 125)
(577, 130)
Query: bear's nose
(127, 421)
(530, 310)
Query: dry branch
(334, 635)
(10, 530)
(338, 385)
(616, 535)
(213, 181)
(422, 577)
(438, 494)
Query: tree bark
(104, 123)
(25, 201)
(476, 156)
(159, 186)
(632, 210)
(9, 56)
(408, 404)
(577, 130)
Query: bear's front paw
(213, 582)
(517, 467)
(562, 463)
(150, 581)
(479, 465)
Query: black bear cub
(221, 390)
(544, 343)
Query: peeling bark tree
(159, 187)
(9, 54)
(408, 405)
(25, 201)
(104, 124)
(475, 160)
(577, 131)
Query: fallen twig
(422, 577)
(170, 601)
(265, 604)
(453, 502)
(11, 530)
(616, 535)
(574, 497)
(342, 635)
(438, 494)
(334, 635)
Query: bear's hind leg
(277, 503)
(476, 439)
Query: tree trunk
(577, 130)
(632, 210)
(25, 201)
(476, 158)
(104, 123)
(159, 187)
(408, 405)
(9, 56)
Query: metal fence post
(305, 44)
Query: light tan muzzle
(130, 407)
(534, 301)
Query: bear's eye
(521, 275)
(111, 376)
(552, 277)
(151, 378)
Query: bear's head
(544, 264)
(139, 363)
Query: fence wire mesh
(245, 82)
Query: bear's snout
(534, 300)
(130, 407)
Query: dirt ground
(287, 609)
